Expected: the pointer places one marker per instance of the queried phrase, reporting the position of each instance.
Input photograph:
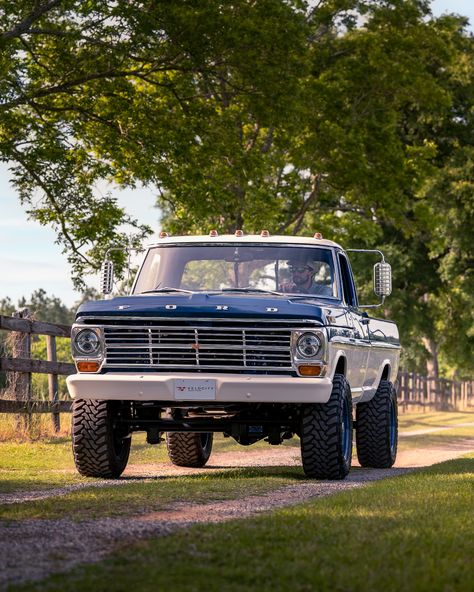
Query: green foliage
(350, 117)
(99, 89)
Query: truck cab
(252, 336)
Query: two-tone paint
(364, 348)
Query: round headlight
(308, 345)
(87, 342)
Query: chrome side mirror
(107, 277)
(382, 279)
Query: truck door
(358, 352)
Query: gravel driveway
(49, 546)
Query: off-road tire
(98, 449)
(189, 449)
(326, 434)
(377, 428)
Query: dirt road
(49, 546)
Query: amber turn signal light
(88, 366)
(309, 370)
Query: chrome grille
(214, 345)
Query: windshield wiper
(166, 289)
(307, 296)
(250, 290)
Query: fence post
(53, 381)
(20, 382)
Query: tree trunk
(432, 365)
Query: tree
(94, 90)
(379, 153)
(351, 117)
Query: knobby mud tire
(377, 428)
(189, 449)
(326, 434)
(98, 450)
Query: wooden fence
(414, 390)
(20, 367)
(440, 394)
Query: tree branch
(26, 23)
(298, 218)
(19, 157)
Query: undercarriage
(246, 423)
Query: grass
(48, 463)
(420, 421)
(153, 494)
(413, 533)
(444, 439)
(39, 428)
(45, 464)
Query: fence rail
(436, 393)
(21, 366)
(413, 389)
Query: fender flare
(385, 371)
(339, 358)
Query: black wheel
(377, 428)
(326, 434)
(189, 449)
(99, 450)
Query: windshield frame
(289, 295)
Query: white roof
(308, 241)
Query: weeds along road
(51, 545)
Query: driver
(302, 279)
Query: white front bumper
(230, 388)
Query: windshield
(245, 268)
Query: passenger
(302, 280)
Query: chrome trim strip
(98, 319)
(166, 367)
(378, 345)
(350, 341)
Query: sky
(29, 257)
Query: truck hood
(213, 305)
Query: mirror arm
(372, 305)
(367, 251)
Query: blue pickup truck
(252, 336)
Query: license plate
(190, 389)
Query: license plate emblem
(194, 389)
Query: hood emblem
(271, 309)
(222, 307)
(171, 307)
(124, 306)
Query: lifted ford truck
(256, 337)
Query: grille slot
(211, 345)
(198, 347)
